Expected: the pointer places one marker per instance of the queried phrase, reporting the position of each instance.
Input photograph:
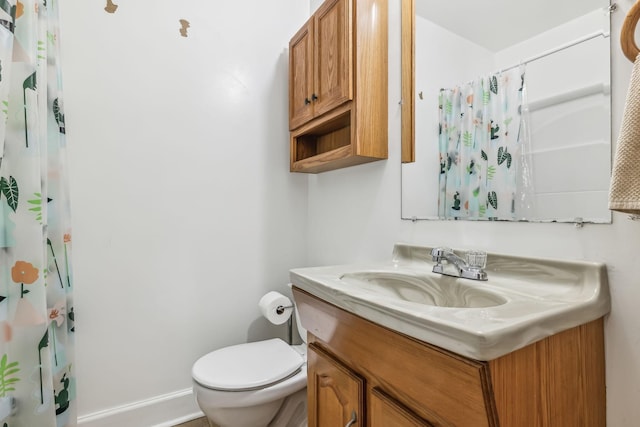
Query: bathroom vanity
(394, 358)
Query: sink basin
(523, 300)
(421, 289)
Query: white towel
(624, 194)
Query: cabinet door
(301, 76)
(335, 393)
(385, 411)
(333, 82)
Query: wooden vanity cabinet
(336, 392)
(338, 86)
(337, 397)
(404, 382)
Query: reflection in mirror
(564, 50)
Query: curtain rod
(559, 48)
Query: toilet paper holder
(274, 306)
(281, 308)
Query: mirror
(564, 48)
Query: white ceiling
(486, 21)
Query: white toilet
(246, 385)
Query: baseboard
(166, 410)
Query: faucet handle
(477, 259)
(438, 253)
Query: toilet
(255, 384)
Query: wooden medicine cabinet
(338, 87)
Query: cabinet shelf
(326, 144)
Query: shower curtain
(37, 375)
(481, 137)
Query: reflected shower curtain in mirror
(481, 137)
(37, 375)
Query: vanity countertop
(523, 300)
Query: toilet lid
(247, 366)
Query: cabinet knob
(353, 420)
(313, 97)
(306, 101)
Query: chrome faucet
(471, 268)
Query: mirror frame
(408, 118)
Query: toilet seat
(249, 366)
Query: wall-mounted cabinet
(338, 86)
(321, 63)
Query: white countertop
(535, 298)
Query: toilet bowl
(246, 385)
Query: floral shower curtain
(480, 141)
(37, 377)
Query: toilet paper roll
(275, 307)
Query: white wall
(354, 214)
(184, 211)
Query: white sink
(437, 290)
(523, 300)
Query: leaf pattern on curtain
(480, 144)
(36, 299)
